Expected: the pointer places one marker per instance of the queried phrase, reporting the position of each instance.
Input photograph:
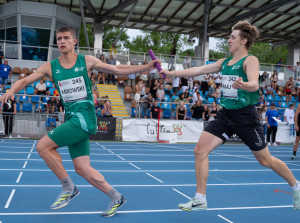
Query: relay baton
(157, 65)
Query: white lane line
(181, 193)
(10, 198)
(24, 166)
(138, 211)
(135, 166)
(155, 178)
(151, 185)
(19, 177)
(220, 216)
(28, 155)
(120, 157)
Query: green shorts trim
(71, 135)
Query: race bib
(72, 89)
(227, 90)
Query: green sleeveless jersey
(76, 93)
(235, 98)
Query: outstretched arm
(94, 63)
(194, 71)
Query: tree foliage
(265, 52)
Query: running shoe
(274, 144)
(113, 207)
(64, 198)
(293, 157)
(269, 144)
(296, 200)
(193, 205)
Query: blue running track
(154, 178)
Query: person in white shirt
(218, 79)
(41, 88)
(187, 61)
(131, 78)
(289, 114)
(160, 93)
(176, 81)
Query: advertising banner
(106, 129)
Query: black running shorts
(243, 122)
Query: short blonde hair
(247, 31)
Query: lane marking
(140, 211)
(277, 190)
(182, 194)
(120, 157)
(28, 155)
(19, 177)
(135, 166)
(225, 218)
(10, 198)
(24, 166)
(155, 178)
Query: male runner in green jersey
(240, 74)
(70, 74)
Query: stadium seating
(50, 122)
(210, 100)
(45, 100)
(24, 98)
(27, 107)
(35, 99)
(284, 104)
(167, 114)
(39, 108)
(133, 111)
(30, 90)
(277, 98)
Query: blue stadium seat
(35, 83)
(205, 94)
(39, 107)
(21, 92)
(167, 113)
(6, 87)
(283, 98)
(270, 98)
(210, 100)
(50, 122)
(281, 111)
(51, 91)
(189, 114)
(24, 98)
(48, 84)
(133, 111)
(167, 98)
(180, 91)
(30, 90)
(218, 100)
(35, 99)
(293, 99)
(27, 107)
(277, 98)
(268, 103)
(276, 104)
(17, 106)
(284, 104)
(166, 106)
(45, 99)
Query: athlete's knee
(265, 161)
(200, 152)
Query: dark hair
(247, 31)
(67, 29)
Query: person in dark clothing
(197, 111)
(155, 110)
(181, 112)
(9, 110)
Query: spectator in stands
(51, 105)
(213, 110)
(193, 62)
(196, 86)
(279, 65)
(5, 71)
(1, 55)
(111, 61)
(179, 99)
(197, 111)
(190, 83)
(184, 83)
(205, 81)
(297, 129)
(153, 88)
(270, 90)
(96, 97)
(205, 113)
(137, 89)
(298, 69)
(187, 61)
(289, 89)
(160, 93)
(289, 114)
(168, 85)
(41, 88)
(131, 78)
(152, 75)
(107, 109)
(217, 93)
(187, 95)
(61, 111)
(181, 112)
(176, 82)
(9, 110)
(197, 96)
(262, 113)
(272, 124)
(101, 75)
(274, 79)
(155, 110)
(218, 79)
(172, 55)
(261, 100)
(211, 89)
(146, 103)
(145, 74)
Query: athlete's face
(235, 42)
(65, 41)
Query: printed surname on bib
(227, 89)
(72, 89)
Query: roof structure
(277, 20)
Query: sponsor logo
(79, 69)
